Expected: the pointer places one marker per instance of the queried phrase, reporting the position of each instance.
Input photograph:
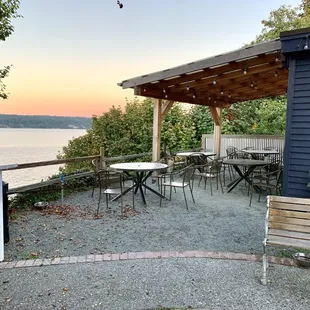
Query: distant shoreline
(44, 122)
(70, 128)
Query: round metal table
(249, 164)
(143, 171)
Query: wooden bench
(287, 223)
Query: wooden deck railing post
(102, 158)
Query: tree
(284, 18)
(8, 11)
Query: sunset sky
(69, 55)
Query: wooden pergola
(218, 82)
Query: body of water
(26, 145)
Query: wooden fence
(241, 141)
(101, 156)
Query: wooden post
(218, 133)
(156, 129)
(102, 160)
(203, 143)
(216, 115)
(6, 167)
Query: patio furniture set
(260, 169)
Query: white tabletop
(245, 162)
(139, 166)
(186, 154)
(263, 152)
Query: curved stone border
(143, 255)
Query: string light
(194, 96)
(276, 73)
(251, 83)
(187, 88)
(214, 82)
(144, 89)
(209, 97)
(222, 91)
(214, 101)
(166, 96)
(229, 95)
(164, 91)
(245, 71)
(255, 85)
(306, 45)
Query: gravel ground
(146, 284)
(222, 222)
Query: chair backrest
(97, 164)
(197, 159)
(110, 178)
(288, 221)
(188, 174)
(216, 166)
(230, 151)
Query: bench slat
(297, 243)
(292, 214)
(289, 227)
(289, 200)
(288, 234)
(290, 206)
(289, 220)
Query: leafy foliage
(8, 11)
(130, 132)
(284, 18)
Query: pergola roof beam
(214, 72)
(247, 52)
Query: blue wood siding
(297, 138)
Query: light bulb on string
(306, 44)
(229, 95)
(255, 86)
(164, 90)
(222, 91)
(166, 96)
(214, 82)
(245, 71)
(276, 73)
(187, 88)
(144, 89)
(251, 83)
(194, 96)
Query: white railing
(258, 142)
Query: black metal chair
(268, 181)
(111, 183)
(164, 173)
(211, 171)
(186, 176)
(197, 159)
(97, 165)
